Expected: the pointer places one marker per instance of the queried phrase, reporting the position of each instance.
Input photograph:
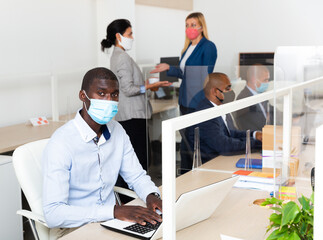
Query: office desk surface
(161, 105)
(237, 216)
(17, 135)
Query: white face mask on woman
(126, 43)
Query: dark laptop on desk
(191, 207)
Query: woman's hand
(136, 214)
(156, 85)
(160, 68)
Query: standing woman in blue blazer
(197, 61)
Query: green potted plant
(291, 222)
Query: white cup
(153, 80)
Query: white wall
(37, 35)
(107, 11)
(160, 32)
(63, 37)
(259, 26)
(39, 38)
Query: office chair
(27, 165)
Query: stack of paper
(287, 193)
(257, 180)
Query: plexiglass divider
(161, 104)
(283, 130)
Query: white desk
(236, 216)
(162, 105)
(19, 134)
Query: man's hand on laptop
(136, 214)
(154, 202)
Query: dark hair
(117, 26)
(97, 73)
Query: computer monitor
(172, 61)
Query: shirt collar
(223, 116)
(86, 132)
(251, 90)
(213, 104)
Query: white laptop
(191, 207)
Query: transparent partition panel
(161, 104)
(258, 126)
(32, 97)
(68, 88)
(217, 143)
(299, 68)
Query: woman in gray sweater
(134, 107)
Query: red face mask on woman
(192, 33)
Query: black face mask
(227, 96)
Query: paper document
(256, 186)
(225, 237)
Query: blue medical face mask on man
(102, 111)
(262, 88)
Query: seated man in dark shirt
(218, 136)
(255, 116)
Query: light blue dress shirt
(79, 174)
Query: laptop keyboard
(143, 229)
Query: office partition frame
(169, 128)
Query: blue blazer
(215, 138)
(199, 64)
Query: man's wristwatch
(156, 195)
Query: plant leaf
(289, 212)
(266, 202)
(276, 209)
(277, 234)
(298, 217)
(293, 236)
(312, 198)
(276, 218)
(303, 229)
(272, 200)
(305, 202)
(309, 219)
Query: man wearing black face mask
(218, 136)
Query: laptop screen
(191, 207)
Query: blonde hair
(201, 20)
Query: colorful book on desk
(252, 176)
(256, 180)
(255, 163)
